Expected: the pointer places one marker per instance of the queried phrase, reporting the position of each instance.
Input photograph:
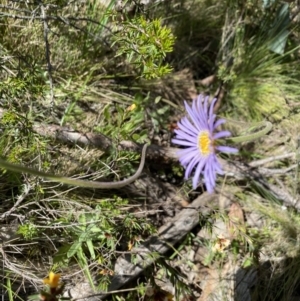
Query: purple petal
(209, 186)
(182, 127)
(182, 135)
(222, 134)
(201, 117)
(186, 150)
(183, 152)
(227, 149)
(205, 108)
(209, 177)
(218, 123)
(184, 160)
(202, 111)
(211, 114)
(193, 116)
(218, 167)
(187, 124)
(195, 105)
(198, 171)
(182, 142)
(211, 122)
(190, 167)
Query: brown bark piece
(230, 282)
(236, 220)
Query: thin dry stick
(47, 53)
(16, 9)
(297, 167)
(270, 159)
(18, 202)
(111, 292)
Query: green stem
(265, 125)
(75, 182)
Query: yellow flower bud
(52, 280)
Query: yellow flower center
(204, 143)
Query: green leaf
(74, 249)
(248, 262)
(106, 113)
(267, 3)
(279, 32)
(91, 248)
(162, 110)
(95, 229)
(157, 99)
(81, 258)
(135, 137)
(34, 297)
(83, 237)
(82, 221)
(61, 255)
(84, 265)
(278, 45)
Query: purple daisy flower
(198, 133)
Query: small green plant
(128, 122)
(258, 61)
(125, 123)
(29, 231)
(92, 233)
(145, 44)
(97, 234)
